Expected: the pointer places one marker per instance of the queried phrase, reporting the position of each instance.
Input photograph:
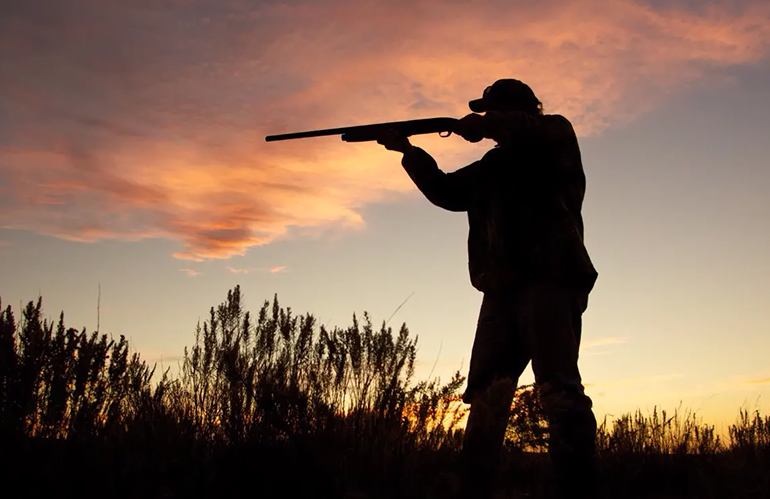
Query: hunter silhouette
(526, 254)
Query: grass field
(273, 405)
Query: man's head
(507, 95)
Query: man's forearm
(421, 168)
(432, 182)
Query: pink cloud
(272, 270)
(165, 140)
(190, 272)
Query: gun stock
(364, 133)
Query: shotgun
(364, 133)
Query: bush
(276, 401)
(275, 389)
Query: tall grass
(274, 400)
(58, 382)
(658, 433)
(267, 387)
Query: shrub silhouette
(277, 377)
(528, 426)
(275, 399)
(60, 383)
(276, 384)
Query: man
(526, 254)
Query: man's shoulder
(557, 127)
(556, 119)
(496, 154)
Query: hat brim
(477, 105)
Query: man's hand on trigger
(470, 127)
(394, 141)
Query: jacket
(523, 200)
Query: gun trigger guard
(442, 134)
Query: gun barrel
(364, 133)
(310, 133)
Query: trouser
(541, 323)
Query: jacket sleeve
(451, 191)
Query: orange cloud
(611, 340)
(747, 381)
(190, 272)
(278, 268)
(166, 140)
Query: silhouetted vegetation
(274, 404)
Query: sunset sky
(132, 158)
